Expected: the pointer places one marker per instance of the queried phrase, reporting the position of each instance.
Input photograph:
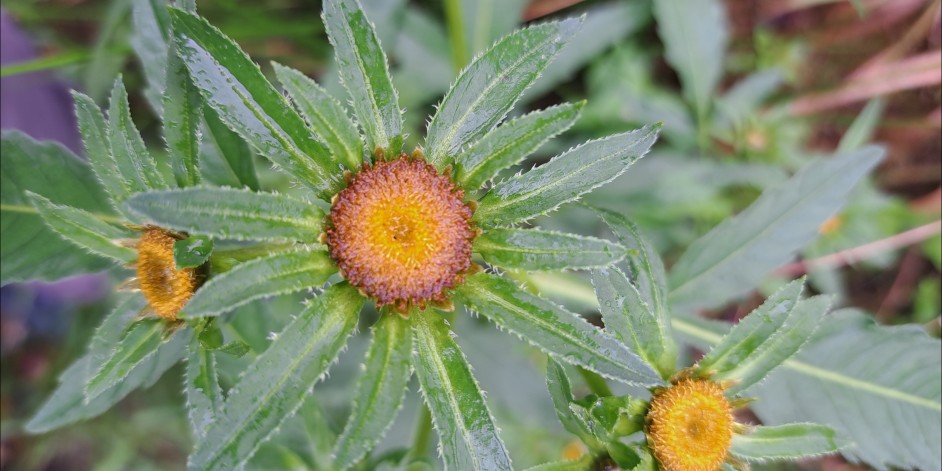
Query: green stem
(44, 63)
(459, 50)
(596, 383)
(423, 433)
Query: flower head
(690, 426)
(401, 233)
(166, 287)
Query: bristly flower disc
(401, 233)
(690, 426)
(166, 288)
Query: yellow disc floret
(689, 426)
(401, 233)
(166, 288)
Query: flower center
(690, 426)
(401, 233)
(166, 288)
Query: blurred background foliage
(758, 89)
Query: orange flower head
(689, 426)
(401, 233)
(166, 288)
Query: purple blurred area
(38, 104)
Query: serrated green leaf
(84, 229)
(234, 86)
(787, 340)
(510, 143)
(149, 40)
(532, 249)
(182, 106)
(733, 257)
(650, 278)
(259, 278)
(204, 397)
(555, 330)
(94, 132)
(132, 351)
(695, 34)
(753, 330)
(785, 442)
(29, 249)
(192, 251)
(231, 214)
(67, 403)
(466, 431)
(132, 160)
(631, 319)
(273, 387)
(228, 151)
(557, 382)
(861, 130)
(490, 86)
(605, 24)
(364, 72)
(585, 463)
(326, 115)
(879, 387)
(565, 178)
(380, 390)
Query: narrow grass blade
(532, 249)
(380, 390)
(231, 214)
(466, 431)
(555, 330)
(182, 106)
(275, 385)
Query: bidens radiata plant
(412, 232)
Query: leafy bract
(532, 249)
(510, 143)
(133, 351)
(235, 88)
(785, 442)
(557, 382)
(731, 259)
(628, 317)
(694, 33)
(84, 229)
(650, 279)
(67, 404)
(192, 251)
(228, 150)
(204, 397)
(490, 86)
(555, 330)
(282, 273)
(30, 250)
(273, 387)
(134, 163)
(565, 178)
(466, 430)
(325, 114)
(879, 387)
(380, 390)
(364, 72)
(231, 214)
